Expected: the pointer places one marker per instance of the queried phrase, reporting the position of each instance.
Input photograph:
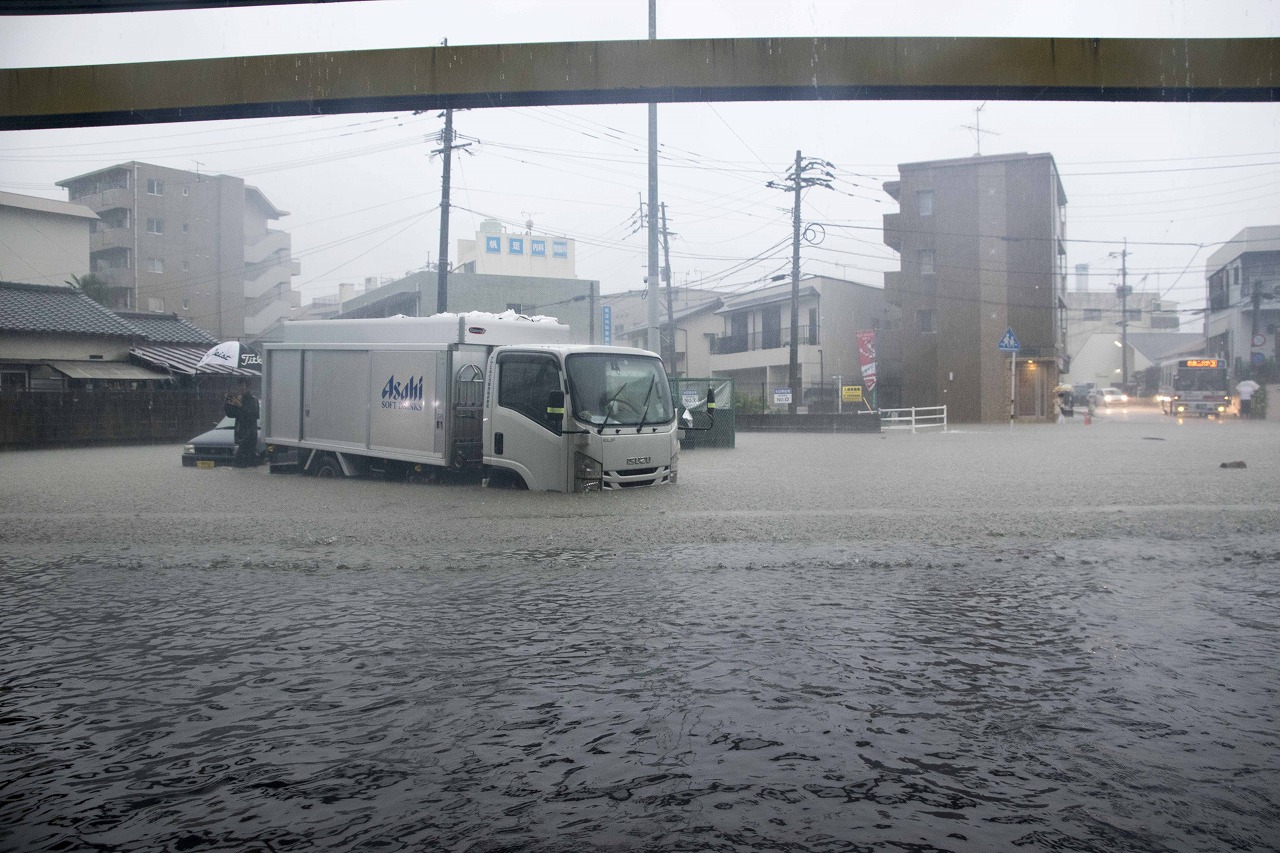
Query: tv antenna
(976, 127)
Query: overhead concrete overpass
(658, 71)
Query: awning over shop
(182, 358)
(106, 370)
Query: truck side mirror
(555, 409)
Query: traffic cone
(1088, 419)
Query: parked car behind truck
(501, 394)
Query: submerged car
(1114, 395)
(218, 447)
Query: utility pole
(669, 351)
(442, 266)
(1123, 292)
(796, 181)
(651, 280)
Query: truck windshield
(606, 388)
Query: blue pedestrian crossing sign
(1009, 343)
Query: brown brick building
(981, 241)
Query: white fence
(915, 418)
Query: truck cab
(580, 418)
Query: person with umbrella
(244, 408)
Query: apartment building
(754, 346)
(1242, 280)
(199, 246)
(981, 241)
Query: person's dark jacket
(246, 414)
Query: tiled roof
(167, 328)
(60, 310)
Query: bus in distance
(1194, 386)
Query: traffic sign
(1009, 343)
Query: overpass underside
(660, 71)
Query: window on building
(186, 304)
(1133, 313)
(155, 226)
(926, 262)
(925, 320)
(924, 202)
(1245, 288)
(186, 191)
(155, 265)
(13, 380)
(185, 228)
(155, 187)
(813, 326)
(186, 266)
(1094, 314)
(155, 304)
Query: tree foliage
(93, 286)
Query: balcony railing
(729, 344)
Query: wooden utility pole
(796, 181)
(442, 266)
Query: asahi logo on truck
(403, 395)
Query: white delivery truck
(502, 394)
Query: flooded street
(1051, 638)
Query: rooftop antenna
(976, 127)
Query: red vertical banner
(867, 359)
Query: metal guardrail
(914, 418)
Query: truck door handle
(497, 444)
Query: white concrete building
(1094, 333)
(1243, 283)
(43, 241)
(495, 251)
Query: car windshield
(619, 389)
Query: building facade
(1242, 281)
(495, 251)
(43, 241)
(754, 345)
(981, 241)
(574, 302)
(199, 246)
(1099, 323)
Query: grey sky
(363, 190)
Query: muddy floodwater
(1046, 638)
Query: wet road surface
(960, 642)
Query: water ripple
(833, 699)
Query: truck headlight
(587, 472)
(188, 450)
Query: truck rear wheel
(329, 467)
